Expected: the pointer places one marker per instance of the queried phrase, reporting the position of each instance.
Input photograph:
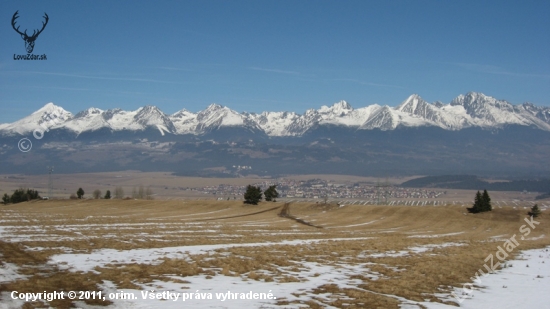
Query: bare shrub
(142, 193)
(149, 193)
(119, 192)
(96, 194)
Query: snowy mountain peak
(53, 111)
(411, 104)
(48, 106)
(147, 113)
(529, 105)
(383, 118)
(487, 111)
(338, 109)
(152, 116)
(50, 115)
(342, 105)
(214, 107)
(181, 113)
(149, 110)
(216, 116)
(475, 100)
(92, 111)
(213, 110)
(110, 113)
(86, 120)
(184, 121)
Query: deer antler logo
(29, 40)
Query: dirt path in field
(239, 216)
(285, 213)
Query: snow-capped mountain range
(470, 110)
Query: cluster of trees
(253, 194)
(139, 193)
(482, 203)
(97, 194)
(142, 193)
(21, 195)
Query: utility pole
(382, 192)
(50, 183)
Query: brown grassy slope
(227, 215)
(126, 224)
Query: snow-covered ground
(520, 286)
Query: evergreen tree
(535, 211)
(6, 198)
(486, 202)
(107, 195)
(253, 195)
(271, 193)
(477, 204)
(18, 196)
(482, 203)
(80, 193)
(32, 195)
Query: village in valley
(321, 189)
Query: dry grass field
(353, 256)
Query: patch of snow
(87, 261)
(352, 225)
(9, 272)
(435, 235)
(519, 286)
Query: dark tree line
(21, 195)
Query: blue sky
(267, 55)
